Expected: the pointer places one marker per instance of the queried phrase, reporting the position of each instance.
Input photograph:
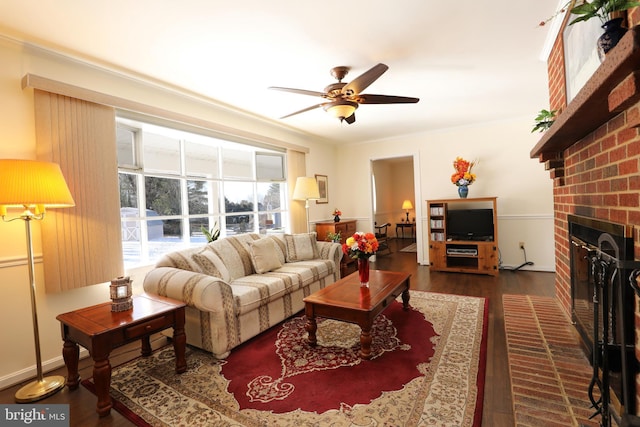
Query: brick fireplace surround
(593, 151)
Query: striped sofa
(239, 286)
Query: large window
(174, 184)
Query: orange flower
(463, 174)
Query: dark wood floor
(497, 394)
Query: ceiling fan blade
(350, 119)
(363, 81)
(385, 99)
(299, 91)
(303, 110)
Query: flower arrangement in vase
(463, 177)
(336, 215)
(361, 246)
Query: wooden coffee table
(100, 330)
(345, 300)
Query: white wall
(504, 170)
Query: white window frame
(218, 215)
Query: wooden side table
(403, 225)
(100, 330)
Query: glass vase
(363, 271)
(463, 191)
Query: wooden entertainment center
(458, 254)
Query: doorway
(393, 184)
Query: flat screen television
(470, 224)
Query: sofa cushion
(251, 292)
(301, 247)
(199, 260)
(281, 248)
(234, 253)
(210, 264)
(264, 255)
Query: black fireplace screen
(603, 308)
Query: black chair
(382, 236)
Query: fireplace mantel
(613, 87)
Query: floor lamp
(33, 186)
(306, 189)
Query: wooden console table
(346, 228)
(100, 330)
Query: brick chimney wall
(557, 82)
(601, 176)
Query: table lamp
(33, 186)
(407, 205)
(306, 189)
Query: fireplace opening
(602, 306)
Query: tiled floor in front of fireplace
(549, 372)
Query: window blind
(81, 246)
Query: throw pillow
(264, 256)
(301, 247)
(209, 263)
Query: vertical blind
(82, 245)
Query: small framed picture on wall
(323, 186)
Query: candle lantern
(120, 292)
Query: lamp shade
(306, 189)
(32, 183)
(407, 204)
(341, 109)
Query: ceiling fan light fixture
(341, 109)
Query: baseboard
(505, 267)
(31, 372)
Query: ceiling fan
(344, 98)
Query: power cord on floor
(524, 264)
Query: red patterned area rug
(428, 368)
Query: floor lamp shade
(306, 189)
(33, 186)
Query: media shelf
(477, 255)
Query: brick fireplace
(593, 153)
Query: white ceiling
(468, 61)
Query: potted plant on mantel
(609, 12)
(544, 120)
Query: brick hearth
(549, 372)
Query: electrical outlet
(521, 245)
